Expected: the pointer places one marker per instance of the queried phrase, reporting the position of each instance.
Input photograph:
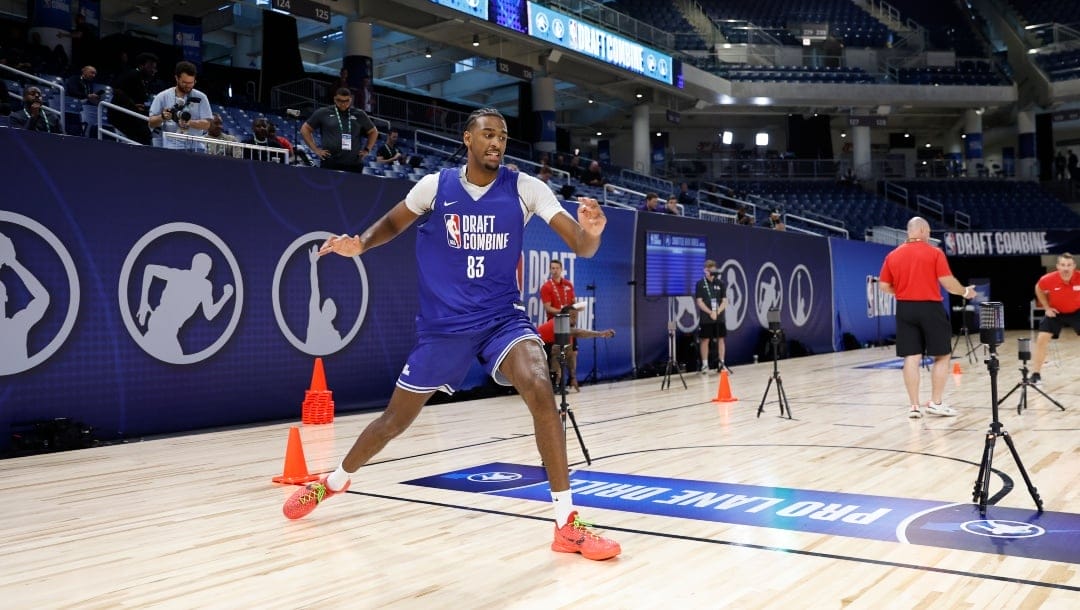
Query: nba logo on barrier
(453, 230)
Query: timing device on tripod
(992, 333)
(773, 317)
(1023, 347)
(562, 343)
(593, 375)
(672, 363)
(964, 334)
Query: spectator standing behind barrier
(1059, 165)
(685, 196)
(915, 272)
(742, 218)
(131, 91)
(710, 296)
(652, 203)
(388, 152)
(672, 206)
(260, 136)
(181, 109)
(340, 128)
(776, 221)
(33, 117)
(81, 87)
(594, 176)
(216, 132)
(1058, 293)
(1074, 168)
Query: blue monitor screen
(673, 263)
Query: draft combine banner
(1010, 243)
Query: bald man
(915, 272)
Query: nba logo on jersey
(453, 230)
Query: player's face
(486, 141)
(1065, 267)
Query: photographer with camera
(181, 109)
(33, 117)
(710, 296)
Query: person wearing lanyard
(710, 296)
(556, 294)
(32, 117)
(340, 128)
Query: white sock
(337, 479)
(564, 505)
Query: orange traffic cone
(318, 405)
(723, 392)
(295, 472)
(956, 369)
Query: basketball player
(470, 226)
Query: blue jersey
(468, 253)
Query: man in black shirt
(710, 296)
(340, 129)
(388, 152)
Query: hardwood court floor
(194, 521)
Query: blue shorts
(440, 361)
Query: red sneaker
(575, 537)
(305, 499)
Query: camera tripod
(981, 494)
(1023, 385)
(564, 407)
(671, 362)
(593, 375)
(964, 334)
(781, 396)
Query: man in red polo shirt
(1058, 293)
(915, 272)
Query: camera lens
(185, 116)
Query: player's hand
(344, 245)
(1050, 312)
(609, 333)
(591, 216)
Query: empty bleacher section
(1059, 66)
(793, 74)
(666, 16)
(948, 28)
(966, 72)
(996, 204)
(1066, 12)
(847, 22)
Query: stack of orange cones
(295, 471)
(723, 392)
(318, 406)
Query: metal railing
(111, 131)
(611, 188)
(621, 23)
(208, 145)
(639, 179)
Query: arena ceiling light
(475, 40)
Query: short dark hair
(476, 114)
(143, 58)
(344, 92)
(186, 67)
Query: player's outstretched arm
(582, 235)
(392, 224)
